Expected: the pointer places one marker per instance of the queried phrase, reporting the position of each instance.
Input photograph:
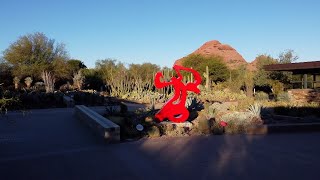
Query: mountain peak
(214, 48)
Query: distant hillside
(214, 48)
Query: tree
(218, 71)
(288, 56)
(262, 77)
(34, 53)
(110, 69)
(144, 71)
(5, 73)
(276, 80)
(92, 79)
(75, 65)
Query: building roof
(312, 66)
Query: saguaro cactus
(206, 75)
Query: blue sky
(137, 31)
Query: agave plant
(255, 109)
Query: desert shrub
(283, 96)
(221, 96)
(66, 87)
(244, 104)
(204, 126)
(238, 117)
(42, 100)
(210, 111)
(87, 98)
(39, 86)
(261, 96)
(9, 104)
(238, 122)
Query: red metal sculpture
(175, 109)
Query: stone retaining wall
(305, 95)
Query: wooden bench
(99, 124)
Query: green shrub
(9, 104)
(283, 96)
(261, 96)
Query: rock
(214, 48)
(149, 119)
(202, 124)
(153, 131)
(176, 129)
(223, 106)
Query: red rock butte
(214, 48)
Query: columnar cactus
(206, 75)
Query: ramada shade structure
(302, 68)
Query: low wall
(305, 95)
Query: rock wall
(305, 95)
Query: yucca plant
(16, 82)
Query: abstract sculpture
(175, 109)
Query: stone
(176, 129)
(149, 119)
(153, 131)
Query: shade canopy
(312, 67)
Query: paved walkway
(52, 144)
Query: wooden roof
(301, 66)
